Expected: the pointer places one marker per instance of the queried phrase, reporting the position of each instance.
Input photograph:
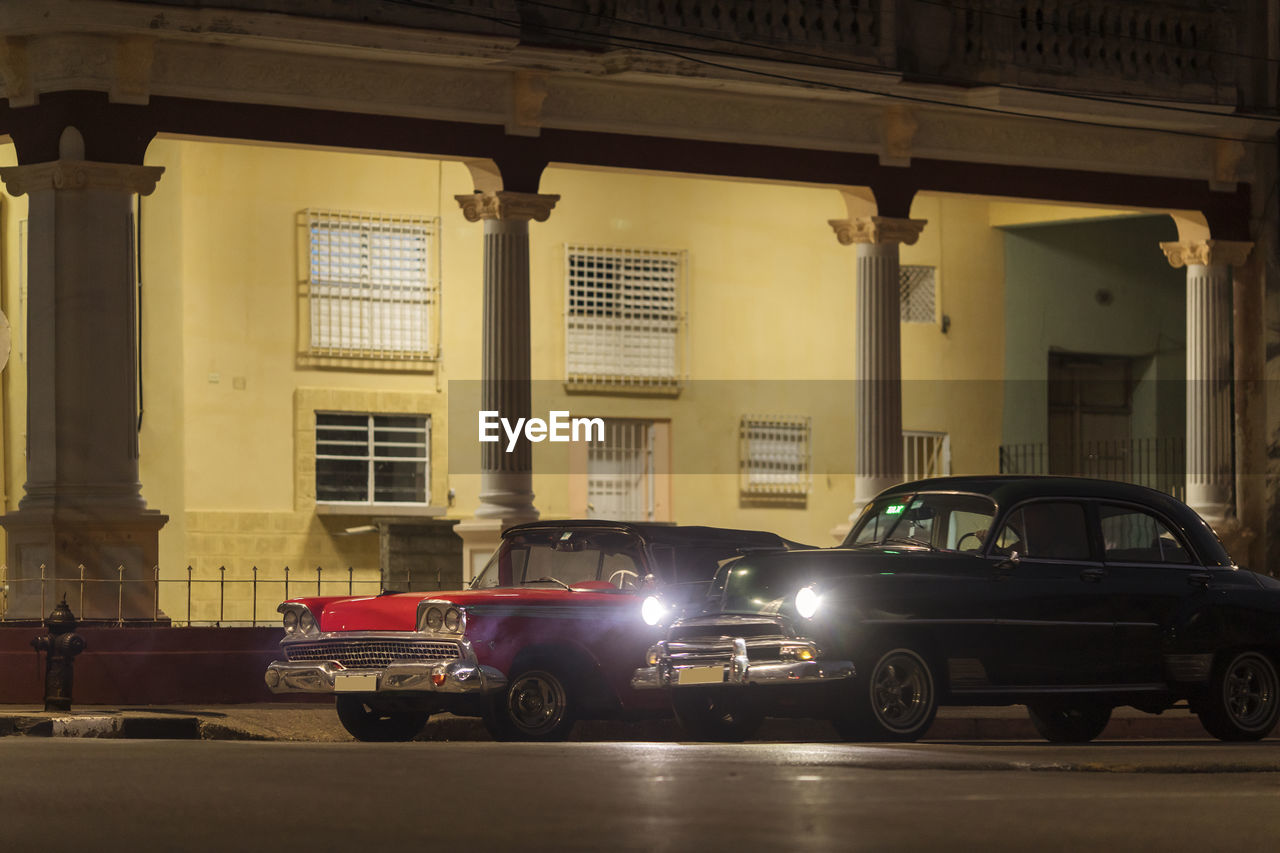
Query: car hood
(768, 584)
(399, 611)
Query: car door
(1054, 625)
(1155, 585)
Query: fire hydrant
(60, 646)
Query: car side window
(1131, 535)
(1048, 530)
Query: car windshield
(565, 558)
(945, 521)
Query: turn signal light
(438, 677)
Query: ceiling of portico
(457, 95)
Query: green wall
(1053, 274)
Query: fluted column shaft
(506, 478)
(877, 339)
(1209, 423)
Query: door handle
(1200, 579)
(1092, 575)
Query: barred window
(774, 458)
(926, 454)
(372, 459)
(623, 316)
(620, 472)
(370, 292)
(916, 286)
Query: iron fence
(1158, 463)
(235, 600)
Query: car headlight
(452, 619)
(652, 610)
(306, 622)
(807, 601)
(298, 619)
(435, 618)
(290, 621)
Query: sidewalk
(318, 723)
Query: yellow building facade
(766, 304)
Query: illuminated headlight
(434, 619)
(290, 621)
(452, 619)
(807, 601)
(652, 610)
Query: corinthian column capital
(877, 230)
(1207, 252)
(80, 175)
(507, 206)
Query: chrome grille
(721, 652)
(725, 631)
(371, 654)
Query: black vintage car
(1068, 595)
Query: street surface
(94, 795)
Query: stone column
(877, 337)
(82, 512)
(506, 479)
(1209, 468)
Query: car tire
(367, 722)
(719, 716)
(896, 700)
(1059, 722)
(539, 704)
(1243, 702)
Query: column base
(80, 554)
(480, 539)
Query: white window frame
(774, 456)
(367, 439)
(925, 454)
(624, 322)
(628, 450)
(370, 292)
(918, 291)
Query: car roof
(686, 535)
(1009, 489)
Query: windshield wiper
(908, 541)
(548, 580)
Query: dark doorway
(1090, 414)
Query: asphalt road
(67, 794)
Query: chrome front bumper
(462, 674)
(455, 676)
(688, 669)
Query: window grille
(620, 472)
(370, 291)
(926, 454)
(372, 459)
(623, 316)
(916, 286)
(774, 455)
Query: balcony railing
(1158, 463)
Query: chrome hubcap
(1249, 691)
(901, 691)
(536, 702)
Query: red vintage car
(549, 633)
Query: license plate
(353, 683)
(700, 675)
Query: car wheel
(538, 705)
(1058, 722)
(897, 700)
(716, 715)
(1243, 702)
(370, 723)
